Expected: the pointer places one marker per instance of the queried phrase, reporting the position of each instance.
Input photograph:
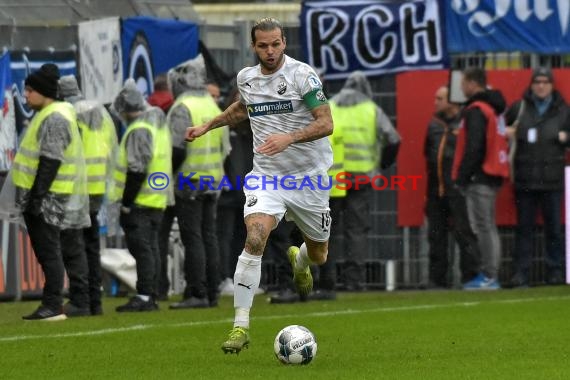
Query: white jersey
(275, 105)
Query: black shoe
(191, 303)
(44, 313)
(138, 304)
(96, 310)
(285, 296)
(75, 311)
(322, 295)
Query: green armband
(315, 98)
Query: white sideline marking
(271, 317)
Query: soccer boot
(237, 340)
(44, 313)
(303, 279)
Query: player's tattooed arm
(232, 115)
(235, 113)
(321, 127)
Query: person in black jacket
(480, 187)
(539, 126)
(444, 202)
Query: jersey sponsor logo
(281, 88)
(269, 108)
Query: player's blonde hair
(266, 24)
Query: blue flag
(152, 46)
(374, 36)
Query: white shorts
(307, 207)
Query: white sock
(303, 260)
(246, 282)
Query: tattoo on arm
(320, 127)
(232, 115)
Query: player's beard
(275, 65)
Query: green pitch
(508, 334)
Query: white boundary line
(16, 338)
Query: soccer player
(290, 119)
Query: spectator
(540, 126)
(196, 204)
(370, 143)
(479, 167)
(81, 247)
(161, 96)
(214, 91)
(51, 185)
(444, 203)
(144, 150)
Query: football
(295, 345)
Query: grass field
(508, 334)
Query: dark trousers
(356, 224)
(231, 230)
(527, 203)
(197, 221)
(45, 240)
(327, 271)
(278, 242)
(141, 226)
(164, 249)
(93, 251)
(75, 261)
(81, 250)
(445, 214)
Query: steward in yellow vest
(369, 138)
(201, 162)
(49, 174)
(81, 247)
(141, 175)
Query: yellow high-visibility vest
(160, 162)
(358, 123)
(204, 156)
(27, 158)
(97, 146)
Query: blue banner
(153, 46)
(5, 76)
(539, 26)
(374, 36)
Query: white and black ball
(295, 345)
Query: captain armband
(315, 98)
